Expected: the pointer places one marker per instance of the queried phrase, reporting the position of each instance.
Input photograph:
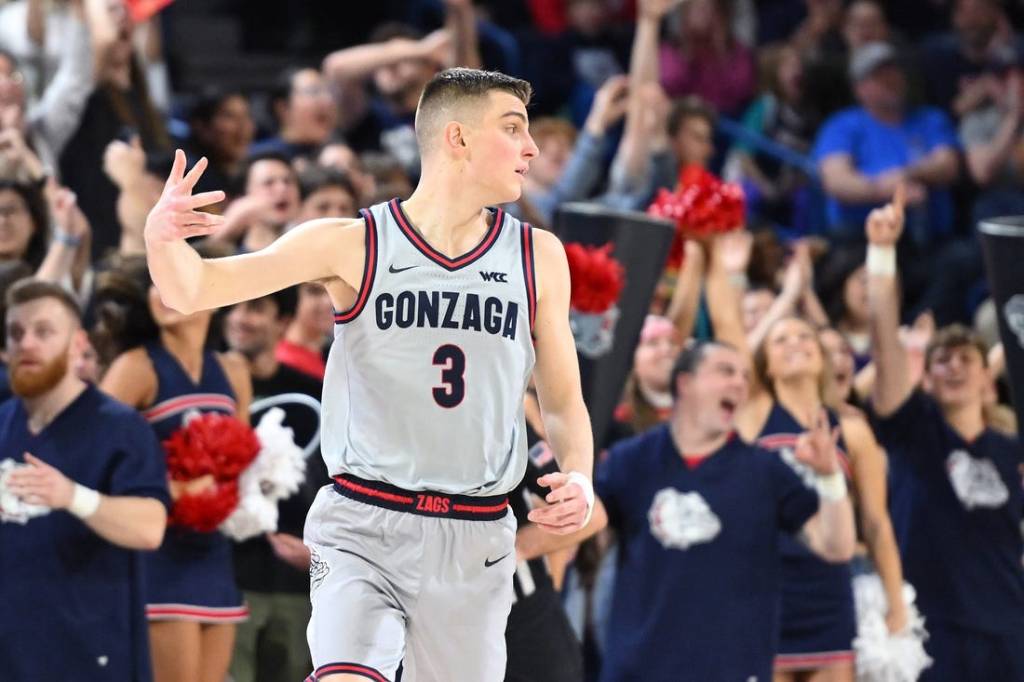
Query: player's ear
(455, 136)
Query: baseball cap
(867, 58)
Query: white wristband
(831, 488)
(588, 492)
(881, 260)
(84, 502)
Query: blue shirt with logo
(72, 603)
(697, 589)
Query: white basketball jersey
(425, 379)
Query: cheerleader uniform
(191, 576)
(818, 621)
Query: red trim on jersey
(433, 254)
(529, 274)
(364, 490)
(788, 440)
(350, 668)
(811, 661)
(206, 614)
(369, 271)
(193, 401)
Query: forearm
(461, 23)
(533, 542)
(831, 533)
(682, 310)
(850, 186)
(812, 308)
(59, 260)
(725, 309)
(130, 522)
(570, 436)
(881, 543)
(582, 172)
(985, 160)
(938, 169)
(891, 386)
(362, 60)
(783, 305)
(59, 112)
(177, 272)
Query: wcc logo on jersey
(597, 281)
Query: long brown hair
(826, 385)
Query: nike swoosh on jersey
(488, 563)
(394, 271)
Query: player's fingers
(206, 198)
(177, 170)
(553, 480)
(190, 180)
(563, 493)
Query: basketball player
(963, 545)
(445, 308)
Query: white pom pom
(884, 657)
(276, 473)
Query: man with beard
(273, 571)
(83, 485)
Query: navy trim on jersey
(349, 669)
(369, 271)
(422, 502)
(433, 254)
(529, 272)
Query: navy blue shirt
(963, 546)
(697, 590)
(72, 604)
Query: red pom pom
(205, 511)
(210, 444)
(597, 278)
(701, 206)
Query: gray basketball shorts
(417, 578)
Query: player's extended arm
(532, 541)
(892, 379)
(560, 395)
(314, 250)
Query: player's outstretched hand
(817, 447)
(885, 225)
(40, 483)
(567, 508)
(174, 217)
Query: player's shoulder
(353, 229)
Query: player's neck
(801, 397)
(967, 420)
(448, 216)
(44, 408)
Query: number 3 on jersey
(453, 363)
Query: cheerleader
(166, 372)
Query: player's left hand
(568, 505)
(817, 447)
(40, 483)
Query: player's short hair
(454, 87)
(955, 336)
(691, 358)
(30, 289)
(685, 108)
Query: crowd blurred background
(818, 108)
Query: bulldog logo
(680, 520)
(976, 481)
(594, 333)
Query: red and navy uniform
(697, 589)
(191, 576)
(71, 603)
(818, 621)
(963, 549)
